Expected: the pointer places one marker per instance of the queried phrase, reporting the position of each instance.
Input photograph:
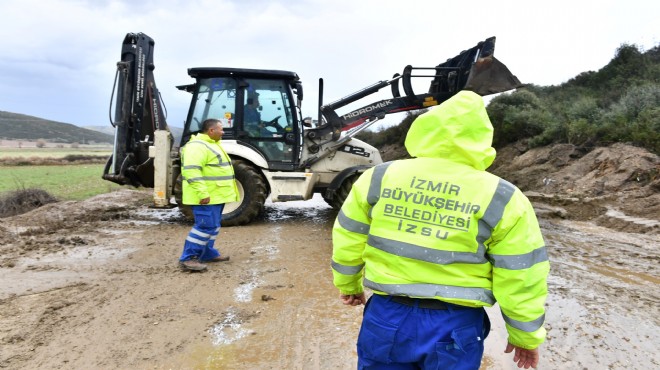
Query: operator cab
(256, 107)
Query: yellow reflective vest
(207, 172)
(439, 226)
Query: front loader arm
(138, 114)
(475, 69)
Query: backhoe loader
(278, 154)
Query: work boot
(219, 259)
(192, 265)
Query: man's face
(215, 132)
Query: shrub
(24, 200)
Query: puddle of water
(313, 210)
(157, 215)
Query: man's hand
(524, 357)
(205, 200)
(353, 299)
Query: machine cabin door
(268, 121)
(257, 112)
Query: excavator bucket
(475, 69)
(490, 76)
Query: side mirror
(299, 94)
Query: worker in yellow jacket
(437, 239)
(208, 183)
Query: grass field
(68, 182)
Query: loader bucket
(475, 69)
(490, 76)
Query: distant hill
(176, 131)
(14, 126)
(108, 129)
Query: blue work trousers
(200, 240)
(398, 336)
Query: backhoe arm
(138, 114)
(475, 69)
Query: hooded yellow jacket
(207, 172)
(439, 226)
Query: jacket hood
(458, 130)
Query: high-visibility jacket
(207, 172)
(439, 226)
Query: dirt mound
(54, 226)
(617, 186)
(564, 168)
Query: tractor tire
(341, 194)
(252, 191)
(185, 209)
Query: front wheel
(252, 193)
(185, 209)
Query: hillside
(583, 150)
(14, 126)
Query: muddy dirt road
(95, 285)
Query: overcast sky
(58, 57)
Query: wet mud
(95, 284)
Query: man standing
(437, 238)
(208, 183)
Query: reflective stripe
(433, 291)
(352, 225)
(223, 164)
(197, 232)
(494, 211)
(376, 180)
(527, 326)
(210, 178)
(441, 257)
(196, 241)
(192, 167)
(346, 270)
(519, 261)
(219, 155)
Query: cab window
(216, 98)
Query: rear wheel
(341, 194)
(252, 192)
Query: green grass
(69, 182)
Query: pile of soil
(616, 186)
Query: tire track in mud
(301, 323)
